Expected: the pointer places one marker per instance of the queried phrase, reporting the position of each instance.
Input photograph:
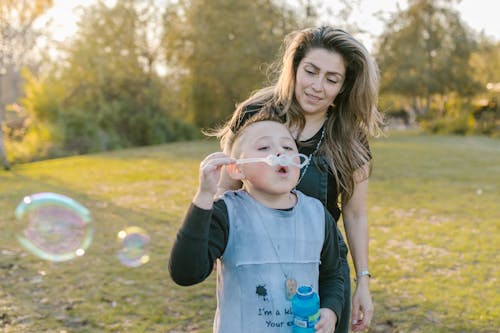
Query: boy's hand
(327, 321)
(210, 172)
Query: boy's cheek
(258, 169)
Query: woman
(327, 91)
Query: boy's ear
(234, 172)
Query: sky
(481, 15)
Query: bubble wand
(282, 160)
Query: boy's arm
(201, 239)
(331, 279)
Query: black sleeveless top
(318, 181)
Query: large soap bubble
(134, 243)
(53, 227)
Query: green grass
(434, 233)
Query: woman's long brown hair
(352, 118)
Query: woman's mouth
(313, 98)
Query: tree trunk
(417, 106)
(427, 103)
(3, 153)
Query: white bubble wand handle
(283, 160)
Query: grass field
(434, 211)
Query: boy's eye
(263, 148)
(287, 147)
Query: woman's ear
(234, 171)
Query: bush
(41, 141)
(447, 125)
(462, 119)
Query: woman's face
(319, 79)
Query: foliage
(478, 115)
(442, 125)
(140, 73)
(17, 38)
(440, 68)
(464, 118)
(486, 63)
(433, 214)
(106, 94)
(425, 51)
(104, 90)
(17, 32)
(485, 60)
(37, 143)
(221, 50)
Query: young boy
(267, 238)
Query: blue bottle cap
(305, 291)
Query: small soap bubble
(53, 227)
(134, 243)
(479, 191)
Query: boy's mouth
(283, 169)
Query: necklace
(290, 282)
(320, 141)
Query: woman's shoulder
(252, 108)
(247, 111)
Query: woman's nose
(317, 85)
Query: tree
(485, 61)
(424, 51)
(105, 87)
(486, 64)
(219, 50)
(17, 38)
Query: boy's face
(262, 139)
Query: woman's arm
(356, 226)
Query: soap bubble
(133, 243)
(53, 227)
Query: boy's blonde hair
(231, 143)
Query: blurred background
(78, 77)
(122, 90)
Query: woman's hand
(362, 305)
(209, 176)
(327, 321)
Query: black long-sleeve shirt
(204, 234)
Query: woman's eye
(308, 71)
(332, 81)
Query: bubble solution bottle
(305, 308)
